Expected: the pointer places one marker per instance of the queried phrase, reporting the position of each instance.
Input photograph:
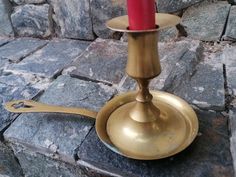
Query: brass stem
(143, 93)
(143, 64)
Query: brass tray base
(178, 127)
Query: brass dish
(178, 129)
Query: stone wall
(83, 19)
(75, 19)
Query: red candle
(141, 14)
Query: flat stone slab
(73, 18)
(178, 61)
(174, 6)
(205, 88)
(104, 60)
(59, 135)
(209, 155)
(8, 164)
(5, 21)
(32, 20)
(206, 21)
(230, 33)
(229, 54)
(18, 49)
(50, 60)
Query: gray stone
(21, 2)
(230, 33)
(229, 59)
(13, 87)
(233, 2)
(104, 10)
(32, 20)
(232, 119)
(59, 135)
(35, 164)
(4, 41)
(206, 21)
(209, 155)
(168, 34)
(178, 61)
(5, 22)
(74, 18)
(50, 60)
(20, 48)
(174, 6)
(9, 167)
(205, 88)
(104, 60)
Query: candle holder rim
(163, 21)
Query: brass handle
(29, 106)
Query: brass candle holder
(142, 124)
(146, 125)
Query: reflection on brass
(140, 125)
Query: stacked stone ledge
(86, 19)
(67, 145)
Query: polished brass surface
(27, 106)
(163, 21)
(143, 59)
(172, 132)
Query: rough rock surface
(174, 5)
(103, 10)
(51, 59)
(9, 167)
(4, 41)
(57, 136)
(5, 22)
(74, 18)
(205, 92)
(205, 157)
(206, 21)
(104, 61)
(21, 2)
(16, 50)
(233, 2)
(32, 20)
(230, 32)
(229, 58)
(232, 118)
(168, 34)
(13, 87)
